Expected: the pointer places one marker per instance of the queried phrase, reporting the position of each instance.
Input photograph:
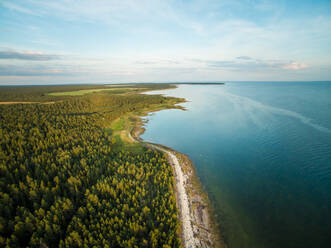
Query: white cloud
(295, 66)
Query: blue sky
(89, 41)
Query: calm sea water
(263, 154)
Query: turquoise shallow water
(263, 154)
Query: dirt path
(6, 103)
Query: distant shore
(197, 83)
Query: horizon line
(169, 82)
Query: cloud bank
(30, 55)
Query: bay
(262, 151)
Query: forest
(66, 182)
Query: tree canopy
(62, 183)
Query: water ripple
(250, 106)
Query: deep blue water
(263, 154)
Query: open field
(120, 130)
(89, 91)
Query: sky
(115, 41)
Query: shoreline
(189, 238)
(195, 211)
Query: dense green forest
(66, 182)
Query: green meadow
(89, 91)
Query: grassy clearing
(118, 125)
(121, 129)
(89, 91)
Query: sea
(262, 151)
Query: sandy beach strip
(197, 228)
(187, 230)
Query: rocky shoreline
(197, 229)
